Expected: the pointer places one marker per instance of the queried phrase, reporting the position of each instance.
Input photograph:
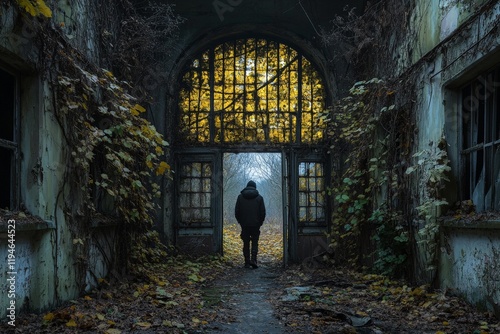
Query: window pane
(7, 105)
(481, 160)
(195, 194)
(311, 194)
(8, 149)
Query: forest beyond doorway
(266, 170)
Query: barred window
(481, 141)
(9, 139)
(251, 90)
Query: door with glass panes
(308, 205)
(199, 203)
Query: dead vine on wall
(136, 44)
(111, 150)
(369, 41)
(372, 136)
(373, 133)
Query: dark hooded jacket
(250, 209)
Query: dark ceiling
(304, 18)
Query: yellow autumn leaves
(35, 7)
(149, 132)
(162, 168)
(137, 110)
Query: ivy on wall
(386, 198)
(112, 155)
(431, 169)
(104, 124)
(371, 139)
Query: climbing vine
(113, 156)
(432, 168)
(357, 37)
(115, 151)
(381, 211)
(371, 137)
(136, 45)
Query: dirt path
(244, 294)
(215, 297)
(258, 301)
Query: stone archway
(257, 93)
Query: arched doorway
(250, 94)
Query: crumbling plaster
(46, 265)
(454, 43)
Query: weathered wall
(448, 44)
(470, 263)
(46, 265)
(48, 251)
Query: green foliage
(432, 168)
(370, 138)
(392, 240)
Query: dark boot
(255, 249)
(246, 254)
(253, 262)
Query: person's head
(252, 184)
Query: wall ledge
(22, 222)
(473, 224)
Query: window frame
(311, 194)
(480, 143)
(195, 194)
(14, 145)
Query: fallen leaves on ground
(339, 301)
(166, 299)
(177, 297)
(270, 244)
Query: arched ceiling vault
(293, 22)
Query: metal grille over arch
(251, 91)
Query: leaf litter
(174, 297)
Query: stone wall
(453, 43)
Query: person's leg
(255, 246)
(245, 236)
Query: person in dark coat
(250, 213)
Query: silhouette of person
(250, 213)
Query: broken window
(251, 90)
(195, 194)
(481, 140)
(9, 141)
(311, 194)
